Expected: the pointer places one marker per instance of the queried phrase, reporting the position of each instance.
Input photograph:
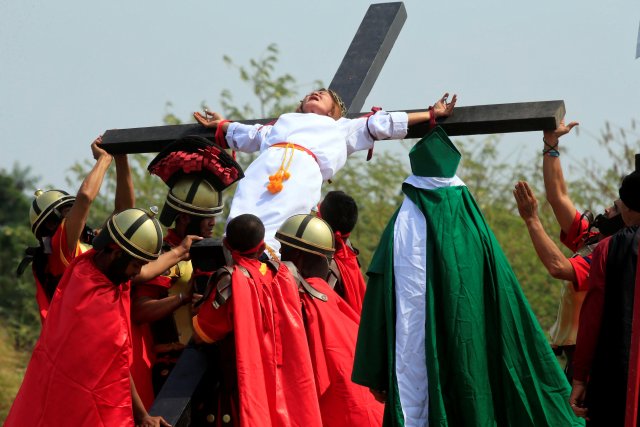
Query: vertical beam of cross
(367, 53)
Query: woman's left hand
(443, 109)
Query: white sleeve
(246, 138)
(362, 132)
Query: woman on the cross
(302, 149)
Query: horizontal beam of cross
(498, 118)
(472, 120)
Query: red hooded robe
(353, 283)
(57, 262)
(79, 370)
(142, 339)
(275, 377)
(332, 330)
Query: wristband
(219, 135)
(432, 117)
(551, 150)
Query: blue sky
(70, 70)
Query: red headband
(250, 251)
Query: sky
(71, 70)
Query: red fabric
(142, 340)
(205, 159)
(297, 147)
(41, 299)
(591, 313)
(79, 370)
(581, 267)
(352, 280)
(57, 263)
(219, 135)
(633, 382)
(578, 231)
(60, 256)
(332, 330)
(373, 111)
(432, 117)
(143, 359)
(275, 376)
(172, 238)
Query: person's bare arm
(166, 260)
(440, 109)
(125, 197)
(140, 414)
(145, 309)
(554, 183)
(77, 216)
(550, 255)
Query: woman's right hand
(210, 119)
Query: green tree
(17, 303)
(275, 94)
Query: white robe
(331, 141)
(410, 275)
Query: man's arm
(551, 256)
(140, 414)
(125, 197)
(77, 216)
(166, 260)
(589, 329)
(554, 183)
(145, 309)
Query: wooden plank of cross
(353, 81)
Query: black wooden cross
(354, 79)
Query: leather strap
(303, 285)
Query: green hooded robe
(488, 360)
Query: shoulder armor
(303, 285)
(223, 288)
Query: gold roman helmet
(45, 204)
(136, 231)
(194, 196)
(307, 233)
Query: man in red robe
(254, 307)
(605, 365)
(340, 211)
(161, 307)
(331, 324)
(79, 373)
(58, 220)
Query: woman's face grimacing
(318, 102)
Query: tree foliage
(18, 309)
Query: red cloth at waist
(297, 147)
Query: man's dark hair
(244, 232)
(340, 211)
